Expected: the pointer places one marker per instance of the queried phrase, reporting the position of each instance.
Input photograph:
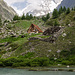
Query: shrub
(74, 18)
(1, 64)
(35, 64)
(16, 17)
(16, 65)
(66, 62)
(29, 55)
(50, 22)
(56, 23)
(42, 61)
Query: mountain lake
(10, 71)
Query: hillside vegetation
(18, 51)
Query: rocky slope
(67, 3)
(6, 12)
(12, 44)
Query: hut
(34, 29)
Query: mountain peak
(41, 7)
(6, 12)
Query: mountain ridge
(6, 12)
(43, 7)
(67, 3)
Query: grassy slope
(21, 46)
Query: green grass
(22, 48)
(25, 24)
(41, 48)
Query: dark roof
(37, 27)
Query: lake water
(6, 71)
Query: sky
(19, 5)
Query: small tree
(23, 17)
(60, 10)
(56, 23)
(16, 17)
(44, 18)
(55, 14)
(64, 9)
(68, 11)
(31, 16)
(72, 9)
(48, 16)
(27, 17)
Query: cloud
(13, 1)
(30, 5)
(18, 4)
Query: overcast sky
(19, 5)
(13, 1)
(10, 2)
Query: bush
(41, 61)
(66, 62)
(16, 65)
(10, 61)
(16, 17)
(67, 21)
(50, 22)
(28, 55)
(1, 64)
(35, 64)
(74, 18)
(56, 23)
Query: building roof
(37, 27)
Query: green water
(6, 71)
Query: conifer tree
(27, 17)
(64, 9)
(44, 18)
(72, 9)
(55, 14)
(23, 17)
(56, 23)
(48, 16)
(16, 17)
(68, 11)
(31, 16)
(60, 11)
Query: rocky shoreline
(51, 69)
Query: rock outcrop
(51, 30)
(6, 12)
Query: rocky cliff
(67, 3)
(6, 12)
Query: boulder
(22, 36)
(51, 30)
